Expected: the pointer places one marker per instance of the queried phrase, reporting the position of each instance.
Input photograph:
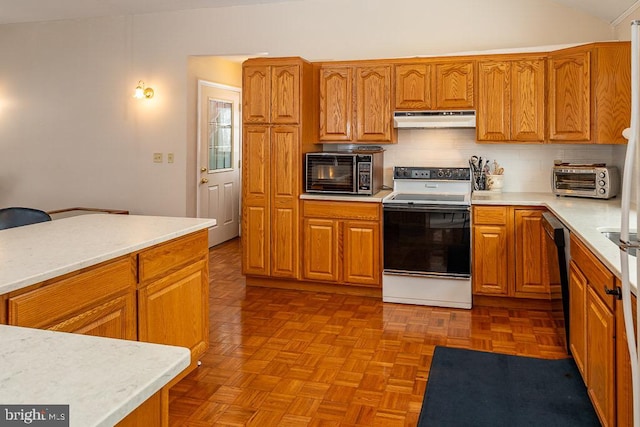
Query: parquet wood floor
(294, 358)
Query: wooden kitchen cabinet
(593, 329)
(414, 86)
(511, 100)
(509, 253)
(356, 103)
(272, 168)
(454, 85)
(342, 242)
(589, 93)
(173, 294)
(430, 85)
(271, 94)
(336, 103)
(96, 301)
(624, 394)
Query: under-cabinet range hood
(434, 119)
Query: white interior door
(219, 159)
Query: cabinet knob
(616, 291)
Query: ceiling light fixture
(142, 92)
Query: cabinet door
(532, 272)
(494, 112)
(624, 412)
(413, 87)
(527, 100)
(601, 359)
(336, 103)
(256, 205)
(578, 318)
(321, 250)
(490, 267)
(454, 85)
(373, 98)
(569, 97)
(362, 252)
(174, 310)
(285, 188)
(256, 93)
(285, 94)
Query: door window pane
(220, 134)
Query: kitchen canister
(495, 182)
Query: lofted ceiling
(16, 11)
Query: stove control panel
(430, 173)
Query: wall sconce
(141, 92)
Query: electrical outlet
(169, 157)
(157, 157)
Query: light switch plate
(169, 157)
(157, 157)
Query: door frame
(202, 83)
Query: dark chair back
(16, 217)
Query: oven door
(430, 240)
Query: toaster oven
(599, 182)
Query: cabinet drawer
(48, 305)
(490, 215)
(162, 259)
(596, 273)
(341, 210)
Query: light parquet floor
(293, 358)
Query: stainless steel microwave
(344, 172)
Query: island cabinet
(509, 253)
(589, 93)
(342, 242)
(593, 329)
(173, 295)
(274, 142)
(98, 301)
(511, 103)
(433, 85)
(355, 103)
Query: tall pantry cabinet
(279, 114)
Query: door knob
(204, 181)
(203, 169)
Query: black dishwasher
(558, 257)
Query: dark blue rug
(474, 388)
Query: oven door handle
(419, 207)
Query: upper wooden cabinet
(511, 100)
(271, 94)
(336, 103)
(589, 93)
(454, 85)
(355, 104)
(434, 85)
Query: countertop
(38, 252)
(101, 379)
(376, 198)
(586, 218)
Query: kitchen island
(136, 278)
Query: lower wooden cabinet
(342, 242)
(593, 329)
(97, 301)
(509, 253)
(152, 412)
(624, 394)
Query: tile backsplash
(527, 167)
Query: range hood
(434, 119)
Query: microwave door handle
(356, 177)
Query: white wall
(72, 135)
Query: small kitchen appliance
(427, 237)
(344, 172)
(596, 181)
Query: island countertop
(37, 252)
(101, 379)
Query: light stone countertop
(101, 379)
(37, 252)
(376, 198)
(584, 217)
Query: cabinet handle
(616, 291)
